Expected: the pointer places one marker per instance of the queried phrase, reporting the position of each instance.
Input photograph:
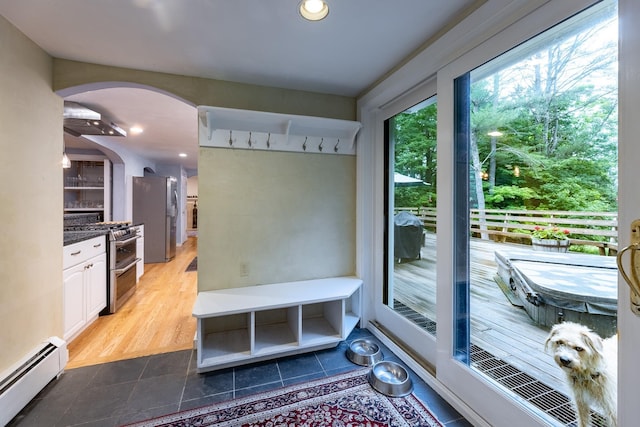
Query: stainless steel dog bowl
(390, 379)
(364, 352)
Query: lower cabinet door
(74, 305)
(96, 285)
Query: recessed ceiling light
(136, 130)
(314, 10)
(182, 154)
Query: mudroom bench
(243, 325)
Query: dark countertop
(71, 237)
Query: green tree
(557, 110)
(415, 133)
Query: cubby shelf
(243, 325)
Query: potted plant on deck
(550, 239)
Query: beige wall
(30, 198)
(316, 239)
(201, 91)
(269, 217)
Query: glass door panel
(410, 285)
(536, 159)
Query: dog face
(575, 347)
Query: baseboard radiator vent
(23, 381)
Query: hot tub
(556, 287)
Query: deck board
(497, 326)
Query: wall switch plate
(244, 269)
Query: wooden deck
(497, 326)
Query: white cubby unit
(253, 323)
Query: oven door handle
(125, 242)
(128, 267)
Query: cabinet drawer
(79, 252)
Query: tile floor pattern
(117, 393)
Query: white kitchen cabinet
(243, 325)
(96, 286)
(140, 252)
(87, 185)
(84, 284)
(74, 284)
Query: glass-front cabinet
(87, 185)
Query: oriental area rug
(342, 400)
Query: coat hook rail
(230, 128)
(235, 139)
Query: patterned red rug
(343, 400)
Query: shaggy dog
(590, 364)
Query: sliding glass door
(534, 155)
(410, 282)
(407, 304)
(525, 131)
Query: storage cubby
(276, 330)
(352, 311)
(242, 325)
(321, 322)
(225, 338)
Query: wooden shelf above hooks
(283, 132)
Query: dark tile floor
(132, 390)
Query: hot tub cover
(584, 283)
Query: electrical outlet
(244, 269)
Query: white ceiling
(263, 42)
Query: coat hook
(335, 149)
(321, 142)
(269, 139)
(304, 145)
(249, 139)
(230, 140)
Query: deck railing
(598, 229)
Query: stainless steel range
(122, 266)
(122, 260)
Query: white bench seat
(248, 324)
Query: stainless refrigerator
(155, 204)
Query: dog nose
(565, 361)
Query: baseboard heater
(23, 381)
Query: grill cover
(407, 239)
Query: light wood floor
(157, 318)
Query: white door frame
(629, 202)
(488, 402)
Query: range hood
(80, 120)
